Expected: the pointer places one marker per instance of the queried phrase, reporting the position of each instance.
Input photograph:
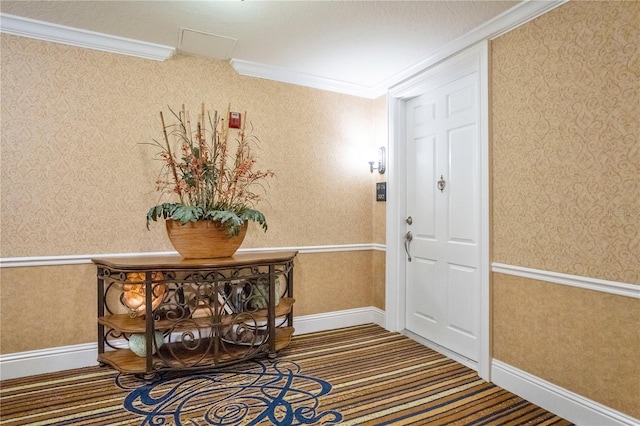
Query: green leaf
(255, 216)
(186, 214)
(230, 219)
(162, 210)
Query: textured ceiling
(364, 43)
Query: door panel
(425, 149)
(462, 309)
(443, 282)
(462, 197)
(429, 309)
(461, 100)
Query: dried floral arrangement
(209, 168)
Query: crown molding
(507, 21)
(284, 75)
(40, 30)
(518, 15)
(511, 19)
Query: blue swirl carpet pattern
(257, 392)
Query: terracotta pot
(203, 239)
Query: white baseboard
(42, 361)
(560, 401)
(50, 360)
(338, 319)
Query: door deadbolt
(409, 220)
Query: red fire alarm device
(234, 120)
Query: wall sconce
(382, 162)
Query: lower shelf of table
(176, 357)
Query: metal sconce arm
(382, 162)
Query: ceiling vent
(204, 44)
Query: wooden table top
(156, 262)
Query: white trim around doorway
(396, 154)
(476, 56)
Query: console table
(158, 313)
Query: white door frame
(520, 14)
(396, 200)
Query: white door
(443, 279)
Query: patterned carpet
(360, 375)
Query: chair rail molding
(611, 287)
(27, 261)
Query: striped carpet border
(377, 378)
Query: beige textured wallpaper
(76, 179)
(326, 282)
(379, 279)
(46, 307)
(51, 306)
(566, 197)
(582, 340)
(566, 142)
